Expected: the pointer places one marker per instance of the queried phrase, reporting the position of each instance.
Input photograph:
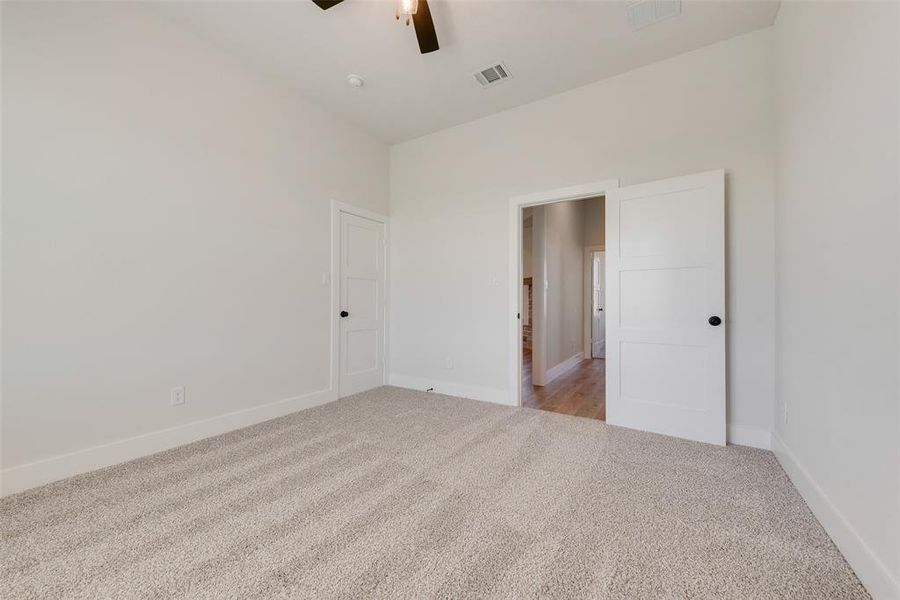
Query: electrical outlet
(449, 362)
(176, 396)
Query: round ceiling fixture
(355, 81)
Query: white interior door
(665, 303)
(598, 318)
(361, 358)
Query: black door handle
(715, 321)
(344, 314)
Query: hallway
(580, 392)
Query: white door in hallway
(665, 303)
(598, 318)
(361, 317)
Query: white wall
(540, 361)
(704, 110)
(527, 243)
(165, 222)
(563, 254)
(838, 415)
(595, 221)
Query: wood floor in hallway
(580, 391)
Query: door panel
(662, 224)
(641, 289)
(665, 277)
(598, 316)
(361, 357)
(677, 373)
(361, 354)
(362, 298)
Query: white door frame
(335, 305)
(587, 283)
(516, 204)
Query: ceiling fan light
(408, 7)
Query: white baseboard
(450, 388)
(754, 437)
(873, 573)
(566, 365)
(23, 477)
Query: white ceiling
(549, 46)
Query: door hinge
(518, 315)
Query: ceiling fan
(421, 17)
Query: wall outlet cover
(176, 396)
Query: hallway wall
(563, 239)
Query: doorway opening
(663, 304)
(563, 322)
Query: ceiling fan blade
(424, 25)
(326, 4)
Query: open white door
(598, 301)
(361, 362)
(665, 303)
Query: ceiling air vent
(647, 12)
(492, 75)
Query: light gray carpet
(395, 493)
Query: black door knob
(344, 313)
(715, 321)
